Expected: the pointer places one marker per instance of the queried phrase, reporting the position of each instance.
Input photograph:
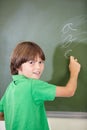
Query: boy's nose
(37, 65)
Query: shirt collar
(17, 77)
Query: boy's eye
(31, 62)
(40, 62)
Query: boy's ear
(19, 69)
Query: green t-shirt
(23, 103)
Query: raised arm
(70, 88)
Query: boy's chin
(36, 77)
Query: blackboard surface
(79, 101)
(60, 28)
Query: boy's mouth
(37, 73)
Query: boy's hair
(24, 52)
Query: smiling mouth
(36, 73)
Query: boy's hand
(74, 66)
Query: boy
(22, 105)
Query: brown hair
(24, 52)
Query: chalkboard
(79, 101)
(60, 28)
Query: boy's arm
(1, 116)
(70, 88)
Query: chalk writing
(68, 37)
(68, 27)
(74, 32)
(68, 40)
(67, 53)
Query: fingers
(72, 58)
(74, 65)
(76, 60)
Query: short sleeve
(1, 104)
(43, 91)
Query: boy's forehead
(36, 57)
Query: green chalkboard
(61, 75)
(60, 28)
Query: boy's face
(32, 68)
